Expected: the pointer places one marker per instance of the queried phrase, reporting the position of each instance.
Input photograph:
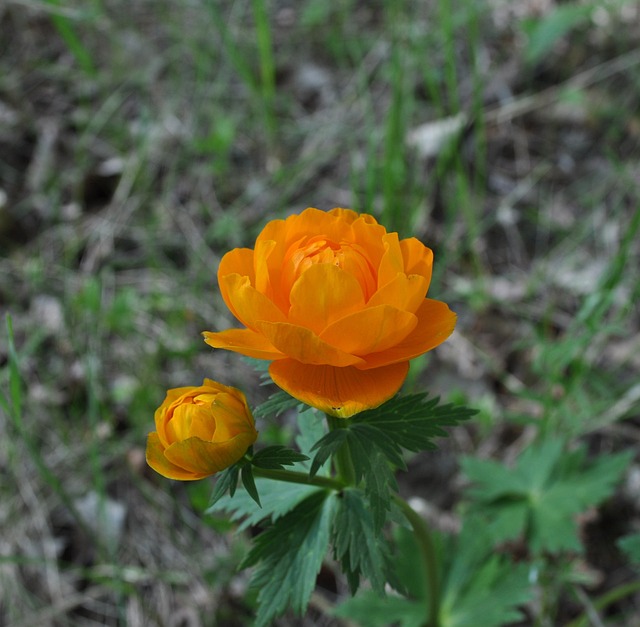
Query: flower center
(345, 255)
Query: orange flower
(200, 431)
(337, 303)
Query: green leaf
(410, 569)
(537, 465)
(276, 404)
(313, 426)
(478, 586)
(249, 483)
(411, 422)
(278, 498)
(544, 33)
(405, 422)
(277, 457)
(479, 583)
(288, 557)
(326, 447)
(375, 440)
(368, 434)
(369, 609)
(356, 543)
(490, 480)
(539, 499)
(226, 482)
(370, 463)
(631, 546)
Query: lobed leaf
(249, 483)
(412, 421)
(360, 549)
(479, 582)
(326, 447)
(276, 404)
(539, 499)
(277, 457)
(370, 463)
(288, 557)
(369, 609)
(226, 482)
(279, 498)
(478, 586)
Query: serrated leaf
(249, 483)
(288, 557)
(490, 481)
(276, 404)
(369, 609)
(370, 463)
(538, 464)
(478, 586)
(369, 450)
(326, 447)
(370, 435)
(313, 426)
(356, 543)
(226, 482)
(507, 520)
(277, 457)
(479, 582)
(540, 498)
(598, 481)
(279, 498)
(413, 421)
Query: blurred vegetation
(139, 141)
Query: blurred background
(142, 139)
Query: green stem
(291, 476)
(607, 599)
(427, 548)
(342, 457)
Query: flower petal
(304, 345)
(370, 330)
(418, 259)
(156, 459)
(348, 215)
(237, 261)
(403, 292)
(246, 303)
(435, 324)
(312, 222)
(391, 262)
(243, 341)
(206, 458)
(160, 416)
(340, 392)
(324, 293)
(368, 242)
(262, 263)
(232, 416)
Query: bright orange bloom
(337, 303)
(200, 431)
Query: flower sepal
(269, 458)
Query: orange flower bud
(200, 431)
(337, 303)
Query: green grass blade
(74, 44)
